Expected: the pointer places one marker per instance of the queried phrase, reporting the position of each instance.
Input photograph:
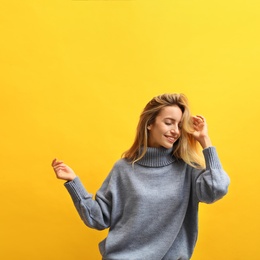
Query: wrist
(72, 178)
(205, 142)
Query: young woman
(149, 201)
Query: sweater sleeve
(95, 213)
(212, 183)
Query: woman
(149, 201)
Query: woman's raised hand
(63, 171)
(201, 131)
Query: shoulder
(121, 164)
(119, 174)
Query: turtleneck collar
(157, 157)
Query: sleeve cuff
(77, 190)
(211, 158)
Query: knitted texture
(151, 207)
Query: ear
(149, 127)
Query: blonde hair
(185, 148)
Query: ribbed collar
(157, 157)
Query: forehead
(171, 112)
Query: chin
(168, 146)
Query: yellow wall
(75, 76)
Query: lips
(171, 139)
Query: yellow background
(75, 76)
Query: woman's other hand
(63, 171)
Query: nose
(175, 130)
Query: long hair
(185, 148)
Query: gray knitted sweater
(151, 208)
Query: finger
(197, 117)
(196, 127)
(196, 120)
(58, 168)
(55, 162)
(201, 118)
(199, 121)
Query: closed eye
(170, 121)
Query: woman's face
(165, 131)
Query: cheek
(155, 133)
(162, 129)
(166, 128)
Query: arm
(212, 183)
(94, 213)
